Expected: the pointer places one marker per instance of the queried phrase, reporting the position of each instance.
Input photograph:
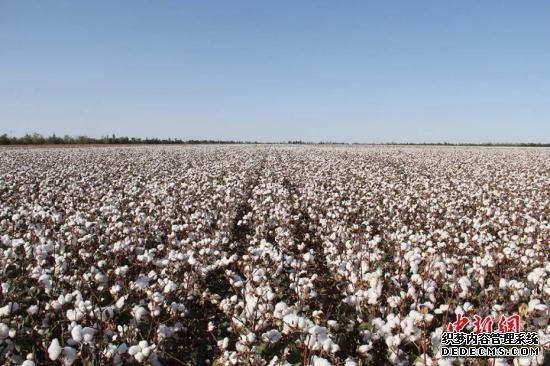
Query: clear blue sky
(363, 71)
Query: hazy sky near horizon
(358, 71)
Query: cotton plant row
(266, 255)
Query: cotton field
(267, 255)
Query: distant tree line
(38, 139)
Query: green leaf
(365, 326)
(261, 347)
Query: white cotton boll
(350, 362)
(319, 361)
(71, 315)
(45, 281)
(364, 349)
(535, 305)
(120, 302)
(32, 310)
(464, 284)
(281, 309)
(333, 324)
(271, 296)
(251, 337)
(291, 320)
(140, 357)
(417, 279)
(467, 306)
(142, 282)
(75, 314)
(4, 331)
(69, 356)
(350, 300)
(302, 323)
(223, 344)
(121, 271)
(110, 350)
(88, 334)
(158, 297)
(10, 308)
(146, 351)
(327, 343)
(115, 289)
(133, 350)
(272, 336)
(61, 299)
(258, 275)
(54, 350)
(389, 340)
(170, 287)
(139, 313)
(76, 333)
(28, 363)
(442, 308)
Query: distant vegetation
(38, 139)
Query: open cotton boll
(319, 361)
(32, 310)
(69, 356)
(120, 302)
(141, 351)
(74, 314)
(4, 331)
(281, 309)
(10, 308)
(139, 313)
(223, 344)
(54, 350)
(133, 350)
(76, 333)
(87, 334)
(272, 336)
(364, 349)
